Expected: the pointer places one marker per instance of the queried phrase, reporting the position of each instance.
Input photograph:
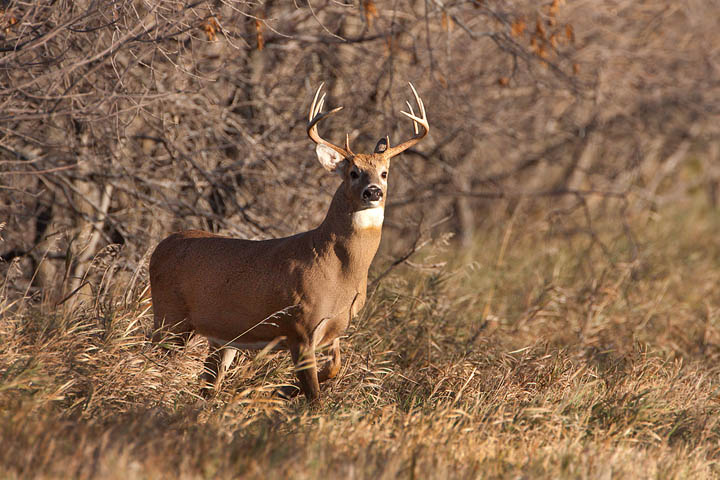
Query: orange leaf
(503, 81)
(570, 32)
(553, 40)
(211, 27)
(542, 52)
(539, 29)
(259, 34)
(555, 6)
(576, 68)
(447, 22)
(370, 11)
(517, 28)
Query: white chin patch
(369, 218)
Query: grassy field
(542, 353)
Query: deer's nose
(372, 193)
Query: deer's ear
(382, 145)
(330, 159)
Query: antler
(391, 152)
(315, 117)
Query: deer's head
(364, 175)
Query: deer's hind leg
(171, 323)
(217, 363)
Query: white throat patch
(369, 218)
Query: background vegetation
(545, 303)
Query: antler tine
(320, 104)
(315, 117)
(415, 125)
(313, 110)
(422, 120)
(347, 144)
(418, 100)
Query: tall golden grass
(535, 355)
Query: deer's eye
(354, 175)
(383, 174)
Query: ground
(537, 354)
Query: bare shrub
(124, 120)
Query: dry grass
(559, 361)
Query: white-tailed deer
(298, 292)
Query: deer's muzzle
(372, 193)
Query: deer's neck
(353, 235)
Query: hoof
(208, 392)
(288, 392)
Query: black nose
(372, 193)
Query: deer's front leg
(329, 370)
(303, 355)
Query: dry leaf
(259, 34)
(518, 27)
(553, 40)
(503, 81)
(533, 44)
(370, 12)
(570, 32)
(542, 51)
(447, 22)
(211, 27)
(555, 6)
(7, 19)
(440, 78)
